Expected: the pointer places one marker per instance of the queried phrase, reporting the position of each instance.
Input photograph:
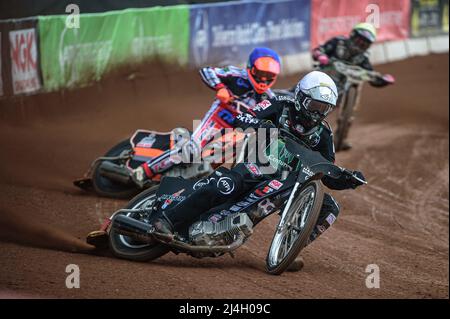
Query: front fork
(343, 129)
(304, 176)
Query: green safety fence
(74, 57)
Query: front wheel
(345, 117)
(128, 248)
(290, 238)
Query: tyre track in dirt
(399, 221)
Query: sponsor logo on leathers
(225, 185)
(203, 182)
(168, 199)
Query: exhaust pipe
(133, 228)
(122, 222)
(115, 172)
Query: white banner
(24, 61)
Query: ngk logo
(24, 60)
(22, 47)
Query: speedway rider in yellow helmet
(351, 50)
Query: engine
(223, 232)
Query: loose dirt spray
(31, 232)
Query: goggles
(317, 107)
(263, 76)
(361, 42)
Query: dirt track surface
(399, 221)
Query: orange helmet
(263, 68)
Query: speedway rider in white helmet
(303, 117)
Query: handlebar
(354, 73)
(240, 105)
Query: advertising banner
(73, 56)
(31, 8)
(429, 17)
(19, 57)
(24, 62)
(334, 18)
(225, 33)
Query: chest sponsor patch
(276, 184)
(263, 105)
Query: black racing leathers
(340, 48)
(225, 184)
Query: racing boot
(98, 239)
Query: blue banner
(225, 33)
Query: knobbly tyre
(112, 174)
(350, 78)
(297, 198)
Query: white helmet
(315, 97)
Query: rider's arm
(217, 78)
(326, 149)
(327, 49)
(262, 113)
(365, 63)
(381, 81)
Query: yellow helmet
(362, 36)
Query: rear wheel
(292, 237)
(345, 117)
(128, 248)
(108, 188)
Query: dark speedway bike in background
(297, 199)
(349, 79)
(111, 175)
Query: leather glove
(323, 59)
(357, 179)
(224, 95)
(389, 79)
(383, 80)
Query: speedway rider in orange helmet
(251, 85)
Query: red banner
(337, 17)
